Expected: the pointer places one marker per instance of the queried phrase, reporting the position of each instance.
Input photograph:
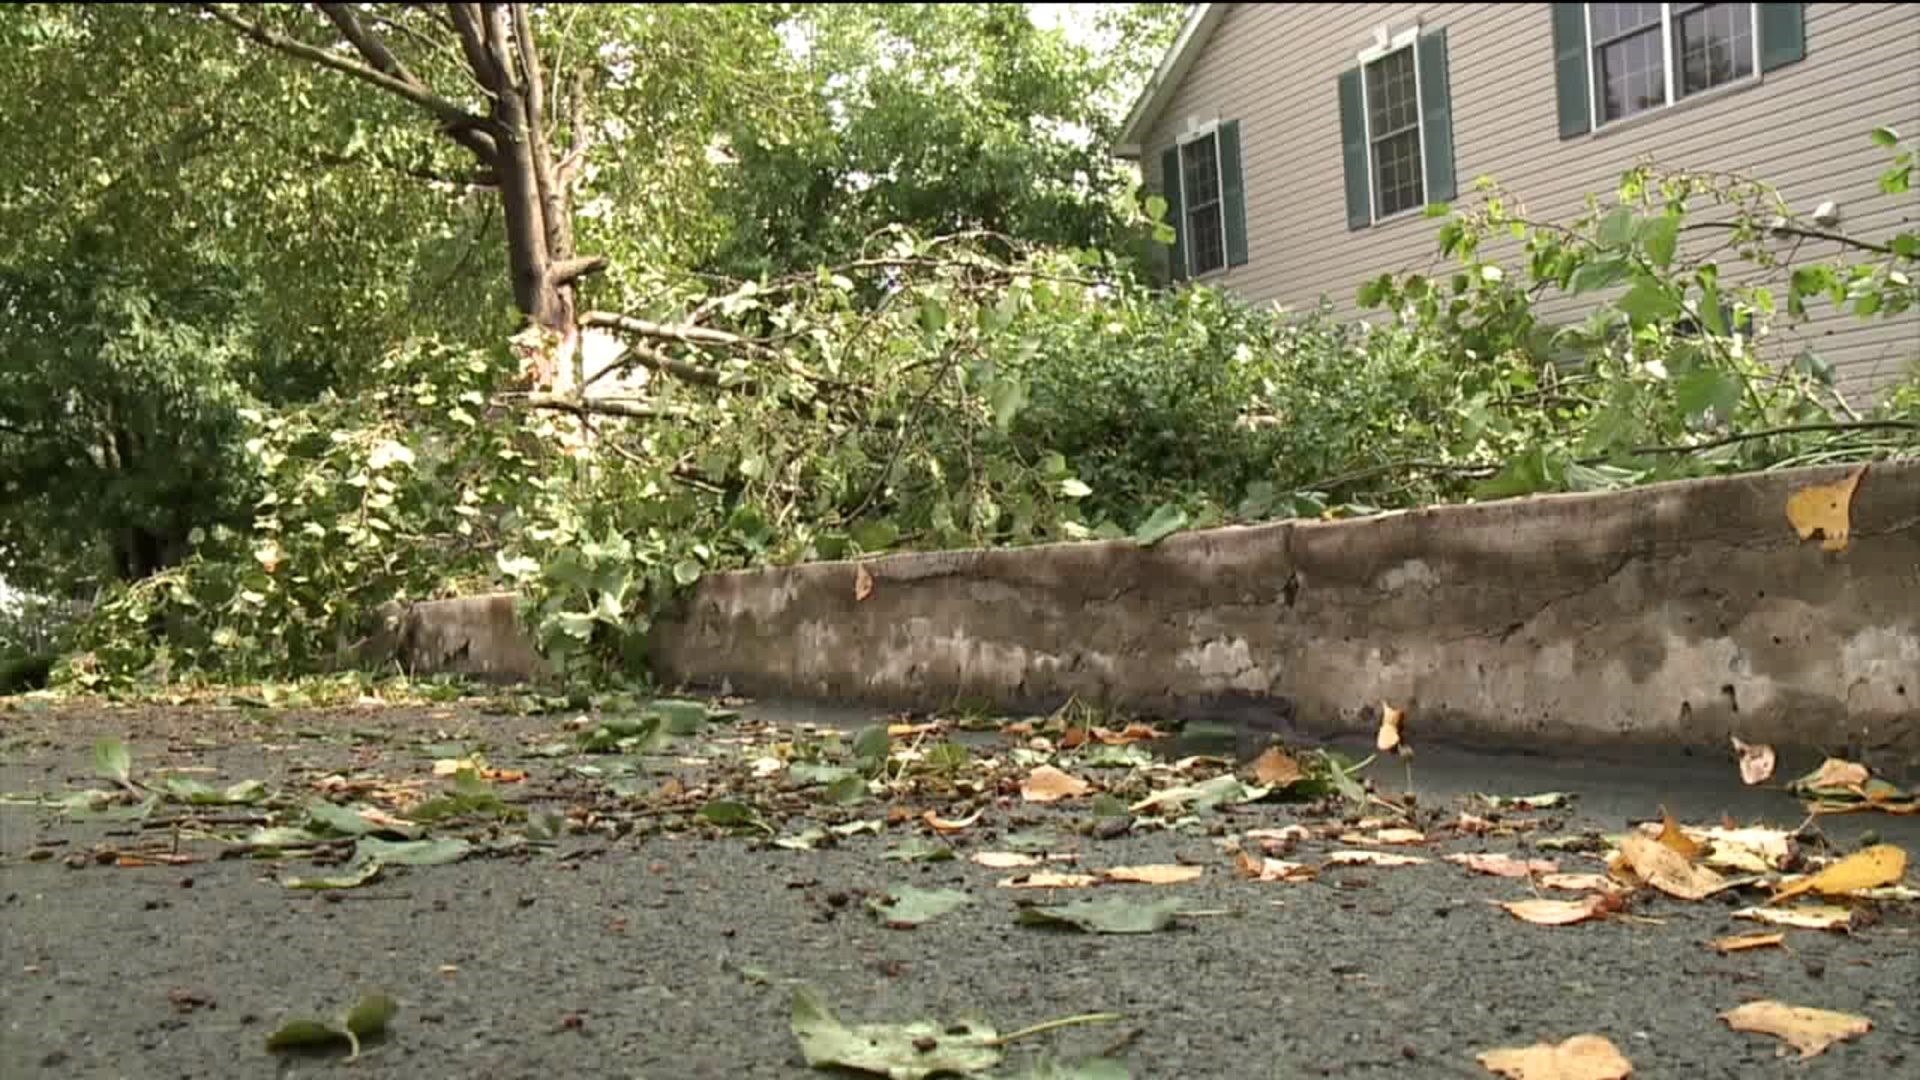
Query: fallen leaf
(1810, 1031)
(1287, 834)
(1808, 917)
(1583, 1057)
(907, 906)
(1112, 915)
(1756, 761)
(902, 731)
(1546, 800)
(862, 583)
(1834, 773)
(1260, 868)
(1753, 850)
(1502, 865)
(367, 1018)
(1372, 858)
(1667, 870)
(1162, 874)
(1675, 840)
(1132, 733)
(1004, 860)
(1577, 882)
(1048, 879)
(1048, 784)
(1868, 868)
(1556, 912)
(911, 1051)
(1390, 720)
(939, 824)
(1823, 508)
(1276, 768)
(1743, 942)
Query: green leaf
(368, 1017)
(305, 1034)
(1886, 137)
(728, 813)
(811, 773)
(338, 819)
(918, 849)
(910, 1051)
(1617, 227)
(1074, 489)
(1707, 388)
(112, 761)
(875, 535)
(847, 790)
(1710, 312)
(1647, 302)
(357, 873)
(1009, 397)
(1166, 521)
(686, 572)
(682, 717)
(805, 840)
(906, 906)
(1108, 915)
(872, 742)
(411, 852)
(371, 1015)
(1660, 236)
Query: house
(1298, 144)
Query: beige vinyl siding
(1803, 128)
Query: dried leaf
(1132, 733)
(1583, 1057)
(1665, 869)
(1557, 912)
(1287, 834)
(1161, 874)
(1810, 1031)
(1674, 839)
(1809, 917)
(862, 582)
(1577, 882)
(1503, 865)
(1372, 858)
(939, 824)
(1048, 784)
(1823, 508)
(1276, 768)
(1004, 860)
(1260, 868)
(1835, 773)
(1868, 868)
(1048, 879)
(1754, 850)
(1743, 942)
(1390, 721)
(903, 731)
(1756, 761)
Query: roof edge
(1166, 78)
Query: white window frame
(1594, 110)
(1384, 47)
(1194, 133)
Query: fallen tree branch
(691, 335)
(1767, 433)
(596, 406)
(653, 359)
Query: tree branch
(649, 357)
(558, 221)
(1794, 230)
(449, 113)
(567, 271)
(691, 335)
(1766, 433)
(366, 44)
(597, 406)
(466, 24)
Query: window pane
(1199, 173)
(1632, 74)
(1713, 45)
(1393, 103)
(1611, 20)
(1206, 242)
(1396, 172)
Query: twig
(1065, 1021)
(1764, 433)
(1793, 230)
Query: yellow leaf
(1372, 858)
(1556, 912)
(940, 824)
(1161, 874)
(1835, 773)
(1672, 837)
(1810, 917)
(1743, 942)
(1004, 860)
(1823, 508)
(1132, 733)
(1048, 879)
(862, 583)
(1583, 1057)
(1810, 1031)
(903, 731)
(1502, 865)
(1275, 768)
(1390, 720)
(1266, 869)
(1577, 882)
(1756, 761)
(1048, 784)
(1868, 868)
(1668, 871)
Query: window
(1396, 127)
(1205, 214)
(1393, 132)
(1646, 56)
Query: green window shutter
(1353, 142)
(1233, 192)
(1436, 116)
(1783, 35)
(1570, 69)
(1170, 190)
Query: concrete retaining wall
(1677, 613)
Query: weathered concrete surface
(477, 636)
(1682, 612)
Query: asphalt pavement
(650, 910)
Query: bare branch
(366, 43)
(466, 23)
(1767, 433)
(691, 335)
(1794, 230)
(649, 357)
(449, 113)
(567, 271)
(598, 406)
(558, 221)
